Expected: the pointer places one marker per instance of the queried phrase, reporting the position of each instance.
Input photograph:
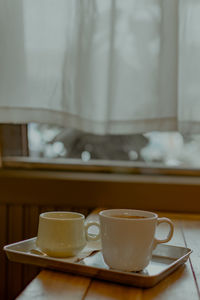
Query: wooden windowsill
(100, 166)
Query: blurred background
(168, 148)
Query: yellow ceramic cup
(63, 234)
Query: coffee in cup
(126, 216)
(128, 237)
(63, 234)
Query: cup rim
(45, 216)
(107, 213)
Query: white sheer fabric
(102, 66)
(189, 66)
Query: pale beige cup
(127, 243)
(63, 234)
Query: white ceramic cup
(127, 244)
(63, 234)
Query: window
(164, 148)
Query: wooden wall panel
(3, 241)
(15, 233)
(45, 208)
(30, 217)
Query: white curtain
(102, 66)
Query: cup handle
(170, 234)
(90, 237)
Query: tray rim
(160, 275)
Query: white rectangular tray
(165, 260)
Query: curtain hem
(64, 119)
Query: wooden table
(183, 284)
